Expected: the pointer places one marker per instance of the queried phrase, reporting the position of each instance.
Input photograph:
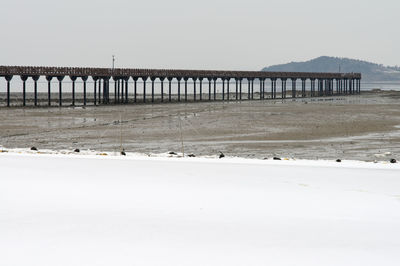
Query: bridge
(219, 85)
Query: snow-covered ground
(114, 210)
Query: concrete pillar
(185, 80)
(179, 89)
(240, 89)
(303, 87)
(215, 88)
(24, 78)
(283, 89)
(135, 79)
(115, 89)
(48, 78)
(121, 99)
(152, 88)
(209, 89)
(201, 88)
(144, 88)
(194, 88)
(35, 79)
(236, 88)
(94, 90)
(84, 78)
(252, 88)
(126, 89)
(169, 88)
(73, 78)
(99, 95)
(223, 89)
(293, 88)
(272, 88)
(162, 89)
(60, 79)
(248, 89)
(227, 88)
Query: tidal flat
(360, 127)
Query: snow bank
(114, 210)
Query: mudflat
(362, 127)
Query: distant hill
(369, 71)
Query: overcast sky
(207, 34)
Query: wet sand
(362, 127)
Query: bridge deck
(164, 73)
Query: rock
(338, 161)
(77, 150)
(265, 158)
(123, 153)
(191, 155)
(393, 161)
(221, 155)
(172, 153)
(277, 158)
(34, 149)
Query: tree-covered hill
(369, 71)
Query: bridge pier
(152, 88)
(135, 79)
(144, 88)
(48, 78)
(236, 88)
(35, 79)
(294, 88)
(201, 88)
(24, 78)
(283, 89)
(240, 88)
(248, 89)
(84, 79)
(252, 88)
(106, 90)
(162, 89)
(169, 88)
(228, 89)
(60, 79)
(263, 88)
(73, 78)
(8, 79)
(94, 90)
(122, 95)
(273, 88)
(223, 89)
(179, 89)
(126, 90)
(185, 80)
(99, 95)
(215, 89)
(118, 90)
(194, 88)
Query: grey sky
(209, 34)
